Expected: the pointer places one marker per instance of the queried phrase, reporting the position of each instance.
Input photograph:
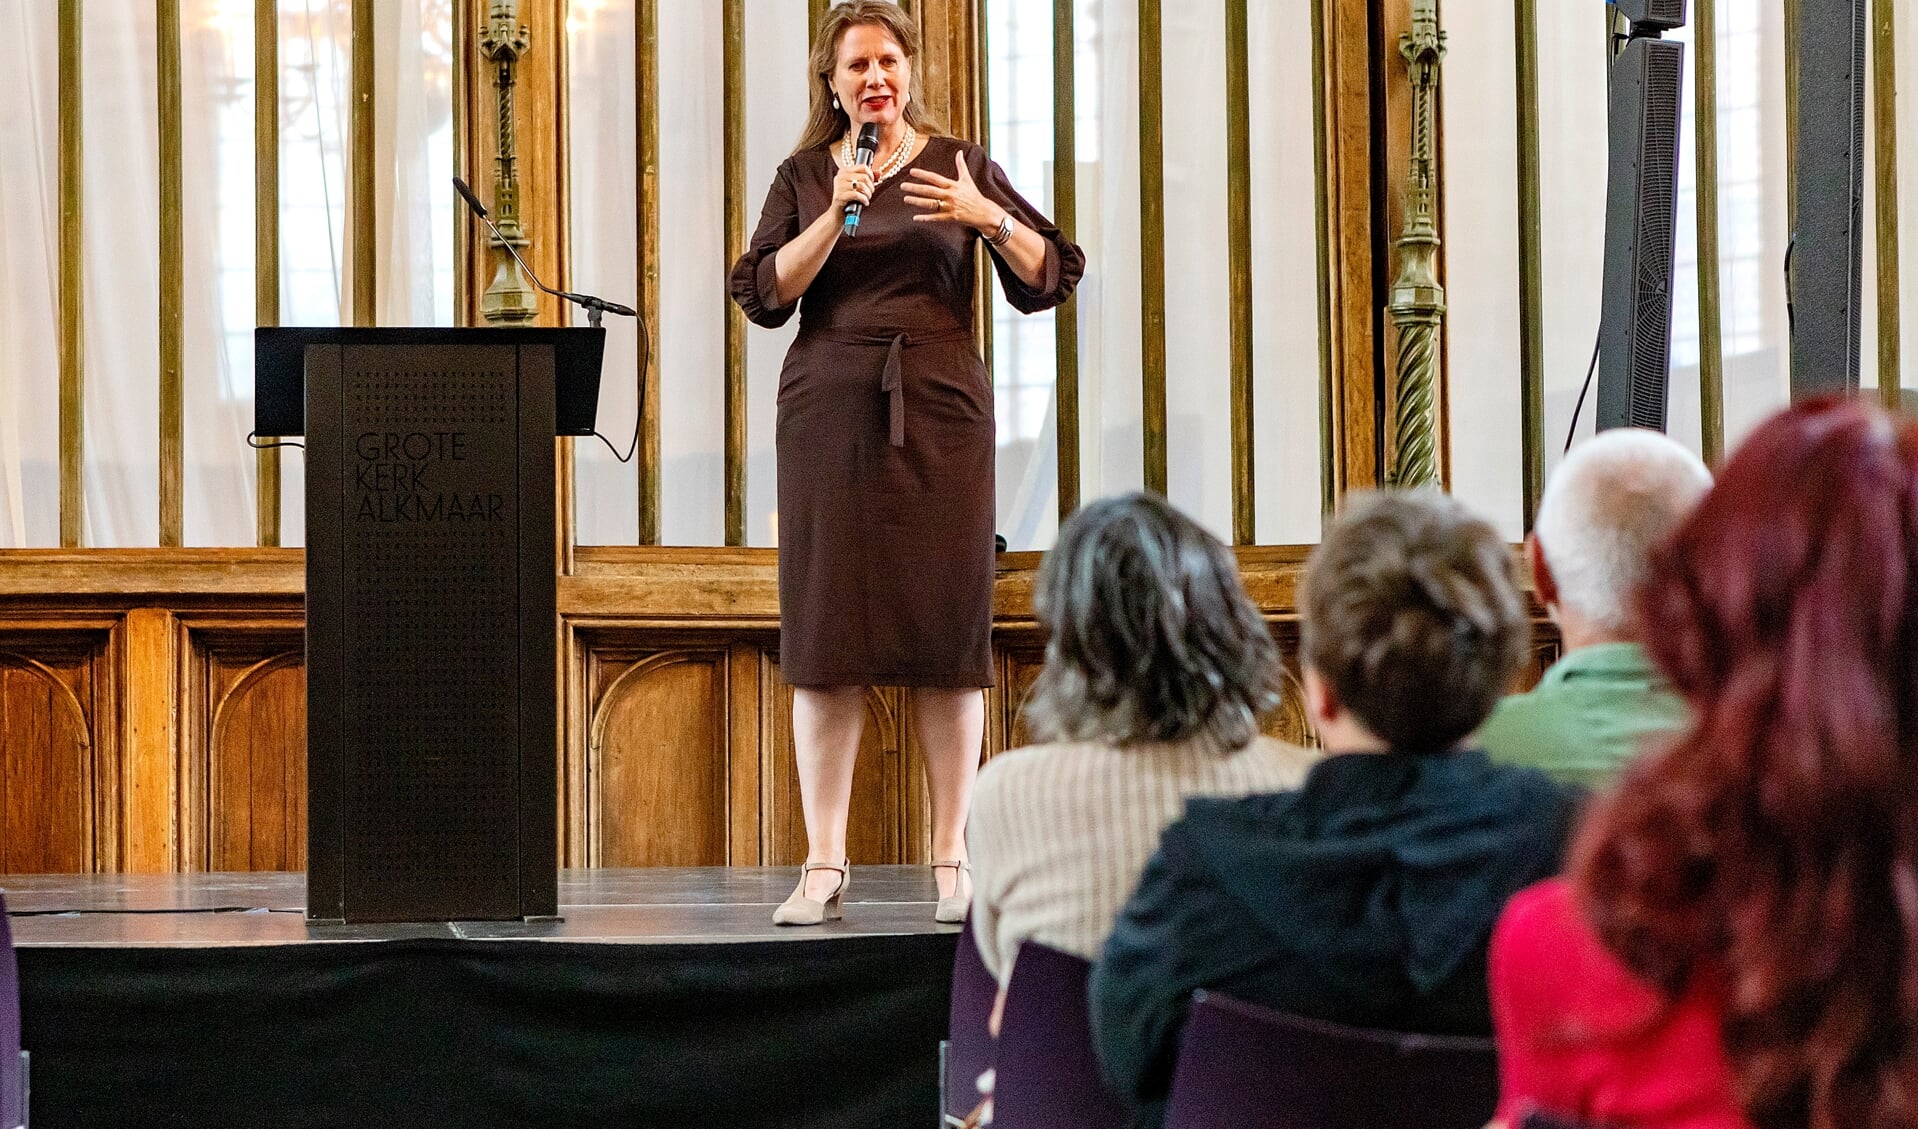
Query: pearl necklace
(899, 156)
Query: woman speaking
(885, 431)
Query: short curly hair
(1413, 617)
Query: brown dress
(885, 434)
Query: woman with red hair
(1737, 942)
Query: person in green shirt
(1609, 503)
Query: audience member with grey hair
(1158, 670)
(1607, 506)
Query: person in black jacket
(1367, 897)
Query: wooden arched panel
(658, 764)
(873, 827)
(256, 764)
(1017, 673)
(46, 769)
(1289, 722)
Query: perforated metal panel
(1828, 230)
(1650, 15)
(431, 557)
(1640, 222)
(430, 597)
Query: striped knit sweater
(1059, 833)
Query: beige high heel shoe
(802, 910)
(952, 908)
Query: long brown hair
(826, 123)
(1770, 854)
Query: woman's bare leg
(952, 729)
(827, 725)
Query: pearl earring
(835, 101)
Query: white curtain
(1111, 393)
(1284, 267)
(29, 272)
(217, 102)
(121, 255)
(602, 176)
(121, 209)
(688, 344)
(693, 269)
(315, 53)
(1020, 79)
(413, 142)
(1481, 202)
(776, 91)
(1198, 377)
(692, 262)
(1285, 275)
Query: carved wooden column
(533, 184)
(1418, 296)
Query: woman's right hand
(798, 262)
(852, 184)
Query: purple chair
(1248, 1067)
(1047, 1075)
(13, 1082)
(967, 1051)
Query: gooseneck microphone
(868, 147)
(593, 305)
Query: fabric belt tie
(891, 382)
(892, 375)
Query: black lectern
(430, 611)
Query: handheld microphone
(594, 306)
(867, 148)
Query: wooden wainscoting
(59, 753)
(153, 711)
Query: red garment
(1580, 1036)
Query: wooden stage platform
(664, 998)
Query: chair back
(13, 1111)
(1247, 1067)
(1047, 1075)
(969, 1044)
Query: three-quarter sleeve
(1064, 263)
(755, 278)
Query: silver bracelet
(1004, 235)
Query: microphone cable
(639, 417)
(1579, 408)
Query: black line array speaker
(1652, 15)
(1641, 212)
(1829, 164)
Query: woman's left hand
(952, 199)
